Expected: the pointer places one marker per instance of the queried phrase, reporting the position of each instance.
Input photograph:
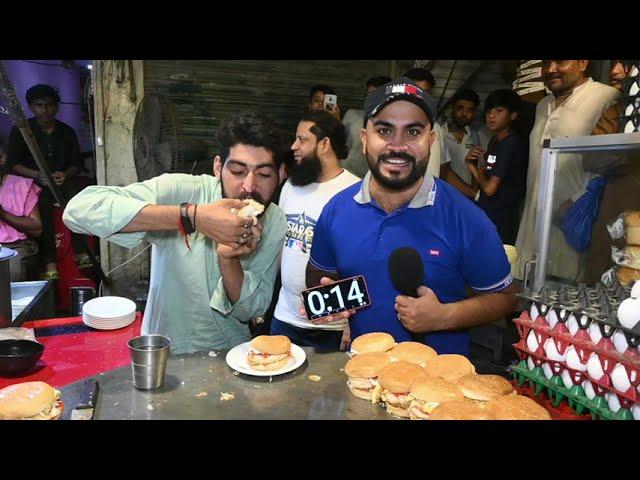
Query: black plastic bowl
(18, 356)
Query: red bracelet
(183, 232)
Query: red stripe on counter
(71, 357)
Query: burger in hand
(30, 401)
(363, 371)
(269, 352)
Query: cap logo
(402, 88)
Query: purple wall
(24, 74)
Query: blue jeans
(321, 340)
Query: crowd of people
(347, 191)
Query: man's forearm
(232, 277)
(479, 310)
(452, 178)
(25, 171)
(27, 225)
(155, 218)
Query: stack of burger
(269, 352)
(30, 401)
(413, 381)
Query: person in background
(502, 181)
(459, 139)
(317, 176)
(58, 143)
(356, 162)
(573, 109)
(19, 214)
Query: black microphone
(407, 274)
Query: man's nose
(249, 184)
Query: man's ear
(363, 139)
(513, 116)
(282, 173)
(217, 166)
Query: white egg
(573, 360)
(566, 379)
(635, 291)
(594, 333)
(530, 364)
(548, 373)
(588, 390)
(620, 379)
(620, 341)
(594, 367)
(572, 324)
(532, 341)
(635, 411)
(629, 312)
(552, 318)
(533, 312)
(551, 350)
(613, 402)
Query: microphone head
(406, 270)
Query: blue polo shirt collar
(424, 197)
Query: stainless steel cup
(149, 354)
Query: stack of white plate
(108, 313)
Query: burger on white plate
(372, 342)
(413, 352)
(429, 392)
(516, 407)
(450, 367)
(362, 372)
(269, 352)
(30, 401)
(396, 380)
(484, 387)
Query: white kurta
(577, 116)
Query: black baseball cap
(402, 88)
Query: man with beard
(315, 178)
(211, 270)
(459, 139)
(398, 205)
(573, 108)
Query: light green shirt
(187, 300)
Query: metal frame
(551, 149)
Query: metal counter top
(292, 396)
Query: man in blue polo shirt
(398, 205)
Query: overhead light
(90, 67)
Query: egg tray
(557, 393)
(584, 347)
(592, 314)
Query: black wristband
(195, 210)
(185, 220)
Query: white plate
(237, 359)
(109, 307)
(106, 325)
